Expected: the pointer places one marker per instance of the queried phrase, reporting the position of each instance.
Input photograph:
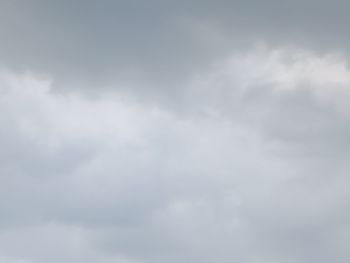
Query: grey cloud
(155, 44)
(223, 180)
(244, 157)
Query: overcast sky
(168, 131)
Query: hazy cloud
(243, 173)
(166, 131)
(156, 44)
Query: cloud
(252, 168)
(155, 46)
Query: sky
(167, 131)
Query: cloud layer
(251, 166)
(156, 45)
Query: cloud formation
(155, 45)
(251, 166)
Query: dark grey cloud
(156, 44)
